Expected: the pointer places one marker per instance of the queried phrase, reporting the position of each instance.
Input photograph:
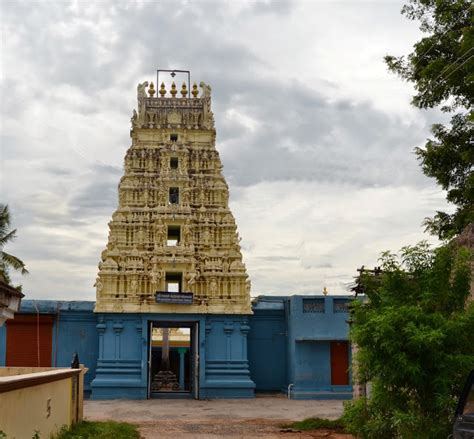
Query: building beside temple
(173, 312)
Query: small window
(341, 306)
(174, 195)
(173, 282)
(174, 162)
(313, 305)
(174, 137)
(174, 235)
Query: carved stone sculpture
(141, 90)
(173, 217)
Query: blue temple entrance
(173, 360)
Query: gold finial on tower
(162, 90)
(173, 90)
(325, 291)
(151, 90)
(184, 90)
(195, 91)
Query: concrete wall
(309, 337)
(284, 346)
(12, 371)
(74, 330)
(41, 402)
(291, 347)
(313, 370)
(122, 367)
(267, 345)
(226, 364)
(123, 357)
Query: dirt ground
(261, 417)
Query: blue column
(182, 353)
(244, 329)
(228, 328)
(118, 327)
(101, 328)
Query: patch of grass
(315, 423)
(100, 430)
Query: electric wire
(458, 67)
(434, 44)
(426, 52)
(453, 63)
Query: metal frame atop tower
(173, 74)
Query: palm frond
(4, 219)
(6, 238)
(13, 262)
(4, 277)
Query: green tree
(7, 260)
(441, 68)
(416, 343)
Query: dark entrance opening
(173, 360)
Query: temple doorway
(173, 360)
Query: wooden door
(339, 363)
(29, 341)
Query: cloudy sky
(316, 137)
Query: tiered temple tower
(173, 230)
(173, 258)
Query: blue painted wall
(313, 368)
(308, 347)
(122, 367)
(74, 330)
(278, 345)
(226, 364)
(267, 345)
(122, 357)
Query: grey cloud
(323, 265)
(56, 170)
(283, 7)
(98, 52)
(300, 135)
(99, 195)
(277, 258)
(103, 38)
(53, 249)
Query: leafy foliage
(416, 343)
(449, 159)
(441, 68)
(6, 235)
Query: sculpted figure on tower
(173, 230)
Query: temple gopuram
(173, 231)
(173, 257)
(173, 316)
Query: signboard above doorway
(177, 298)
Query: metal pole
(188, 72)
(165, 350)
